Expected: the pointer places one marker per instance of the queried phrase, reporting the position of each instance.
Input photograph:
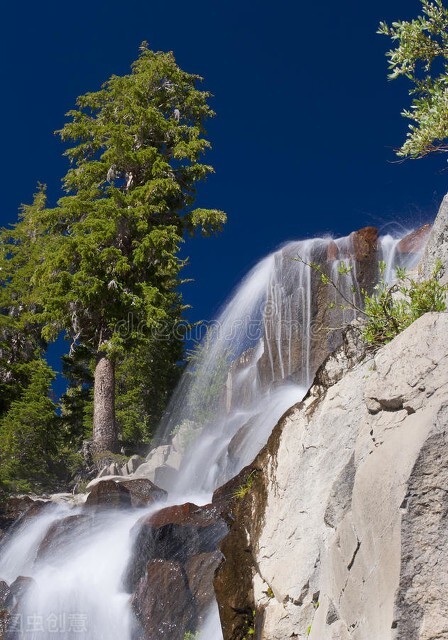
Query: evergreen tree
(110, 249)
(20, 334)
(29, 432)
(421, 55)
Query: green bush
(392, 308)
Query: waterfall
(256, 360)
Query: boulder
(163, 603)
(132, 465)
(156, 458)
(170, 574)
(200, 571)
(62, 535)
(16, 507)
(114, 470)
(165, 477)
(175, 533)
(17, 591)
(124, 493)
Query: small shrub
(244, 489)
(391, 308)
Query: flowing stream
(256, 361)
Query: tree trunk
(104, 425)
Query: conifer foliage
(102, 267)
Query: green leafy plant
(391, 308)
(269, 592)
(420, 54)
(245, 488)
(191, 636)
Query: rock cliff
(345, 524)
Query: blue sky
(306, 119)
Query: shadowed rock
(125, 493)
(163, 603)
(171, 570)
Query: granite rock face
(344, 531)
(437, 244)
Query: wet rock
(163, 603)
(200, 571)
(17, 591)
(175, 533)
(233, 577)
(124, 493)
(365, 252)
(240, 437)
(14, 508)
(64, 534)
(415, 241)
(365, 243)
(4, 592)
(332, 251)
(4, 618)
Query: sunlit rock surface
(345, 530)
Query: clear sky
(306, 119)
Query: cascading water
(256, 361)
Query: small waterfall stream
(257, 360)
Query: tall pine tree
(109, 269)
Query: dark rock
(163, 603)
(62, 534)
(175, 533)
(125, 493)
(233, 578)
(17, 591)
(200, 571)
(4, 593)
(414, 242)
(365, 243)
(16, 507)
(365, 248)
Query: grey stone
(437, 245)
(352, 503)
